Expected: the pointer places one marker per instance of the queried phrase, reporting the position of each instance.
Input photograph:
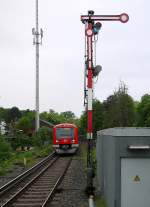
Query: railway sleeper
(26, 205)
(30, 200)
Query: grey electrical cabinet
(123, 166)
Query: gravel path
(71, 192)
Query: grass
(83, 149)
(25, 159)
(6, 166)
(100, 202)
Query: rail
(44, 184)
(16, 181)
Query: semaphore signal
(92, 27)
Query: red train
(65, 138)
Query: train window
(64, 132)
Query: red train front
(65, 138)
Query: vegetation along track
(36, 186)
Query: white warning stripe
(89, 135)
(90, 97)
(89, 48)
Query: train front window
(64, 132)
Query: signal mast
(37, 40)
(92, 28)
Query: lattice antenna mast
(37, 39)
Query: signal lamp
(97, 70)
(97, 27)
(124, 18)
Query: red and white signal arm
(122, 18)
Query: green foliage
(24, 124)
(98, 116)
(83, 124)
(15, 113)
(2, 114)
(6, 166)
(56, 118)
(52, 117)
(43, 151)
(42, 137)
(20, 139)
(68, 116)
(98, 113)
(28, 113)
(5, 115)
(9, 115)
(20, 157)
(5, 149)
(119, 110)
(143, 110)
(100, 202)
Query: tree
(2, 114)
(24, 124)
(22, 140)
(83, 124)
(119, 109)
(5, 115)
(98, 116)
(15, 113)
(52, 117)
(68, 115)
(56, 118)
(9, 115)
(43, 136)
(143, 110)
(98, 113)
(28, 113)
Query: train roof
(65, 125)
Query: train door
(135, 182)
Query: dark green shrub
(5, 149)
(43, 137)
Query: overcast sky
(123, 50)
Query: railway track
(36, 186)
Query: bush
(5, 149)
(43, 137)
(21, 140)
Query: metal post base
(90, 189)
(91, 201)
